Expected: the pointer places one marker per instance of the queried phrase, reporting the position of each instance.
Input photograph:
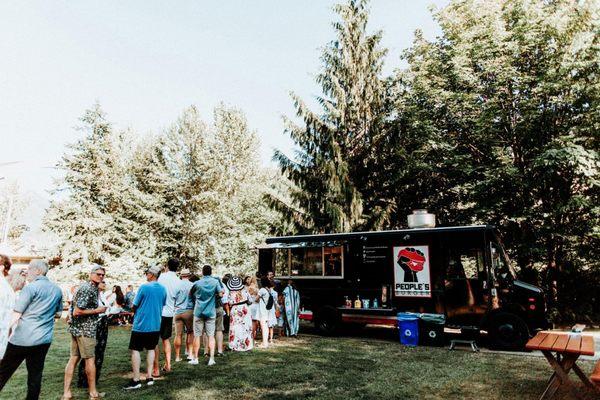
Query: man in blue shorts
(147, 308)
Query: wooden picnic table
(568, 346)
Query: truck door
(465, 284)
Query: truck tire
(507, 331)
(327, 321)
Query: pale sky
(145, 61)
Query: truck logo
(411, 261)
(411, 271)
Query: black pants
(101, 340)
(34, 357)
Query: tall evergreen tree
(330, 170)
(88, 197)
(242, 219)
(200, 187)
(185, 185)
(194, 192)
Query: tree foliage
(13, 204)
(327, 194)
(506, 101)
(193, 192)
(494, 121)
(86, 221)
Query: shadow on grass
(311, 367)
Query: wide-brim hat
(235, 283)
(185, 272)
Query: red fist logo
(414, 259)
(411, 261)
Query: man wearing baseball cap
(147, 308)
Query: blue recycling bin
(408, 327)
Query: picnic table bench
(568, 346)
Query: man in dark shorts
(147, 308)
(170, 281)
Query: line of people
(202, 310)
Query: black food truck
(368, 277)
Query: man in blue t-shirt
(147, 308)
(204, 293)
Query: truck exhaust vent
(421, 219)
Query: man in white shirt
(170, 281)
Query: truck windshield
(501, 266)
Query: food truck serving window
(309, 262)
(306, 261)
(281, 265)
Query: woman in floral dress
(240, 328)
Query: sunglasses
(99, 274)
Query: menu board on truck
(411, 271)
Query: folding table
(568, 347)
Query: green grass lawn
(312, 366)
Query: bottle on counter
(347, 302)
(357, 302)
(375, 304)
(384, 296)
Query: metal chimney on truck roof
(421, 219)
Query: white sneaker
(189, 357)
(193, 361)
(211, 362)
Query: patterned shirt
(86, 298)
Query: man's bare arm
(78, 312)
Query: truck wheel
(327, 321)
(507, 332)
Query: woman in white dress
(252, 288)
(264, 314)
(272, 322)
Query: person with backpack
(266, 302)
